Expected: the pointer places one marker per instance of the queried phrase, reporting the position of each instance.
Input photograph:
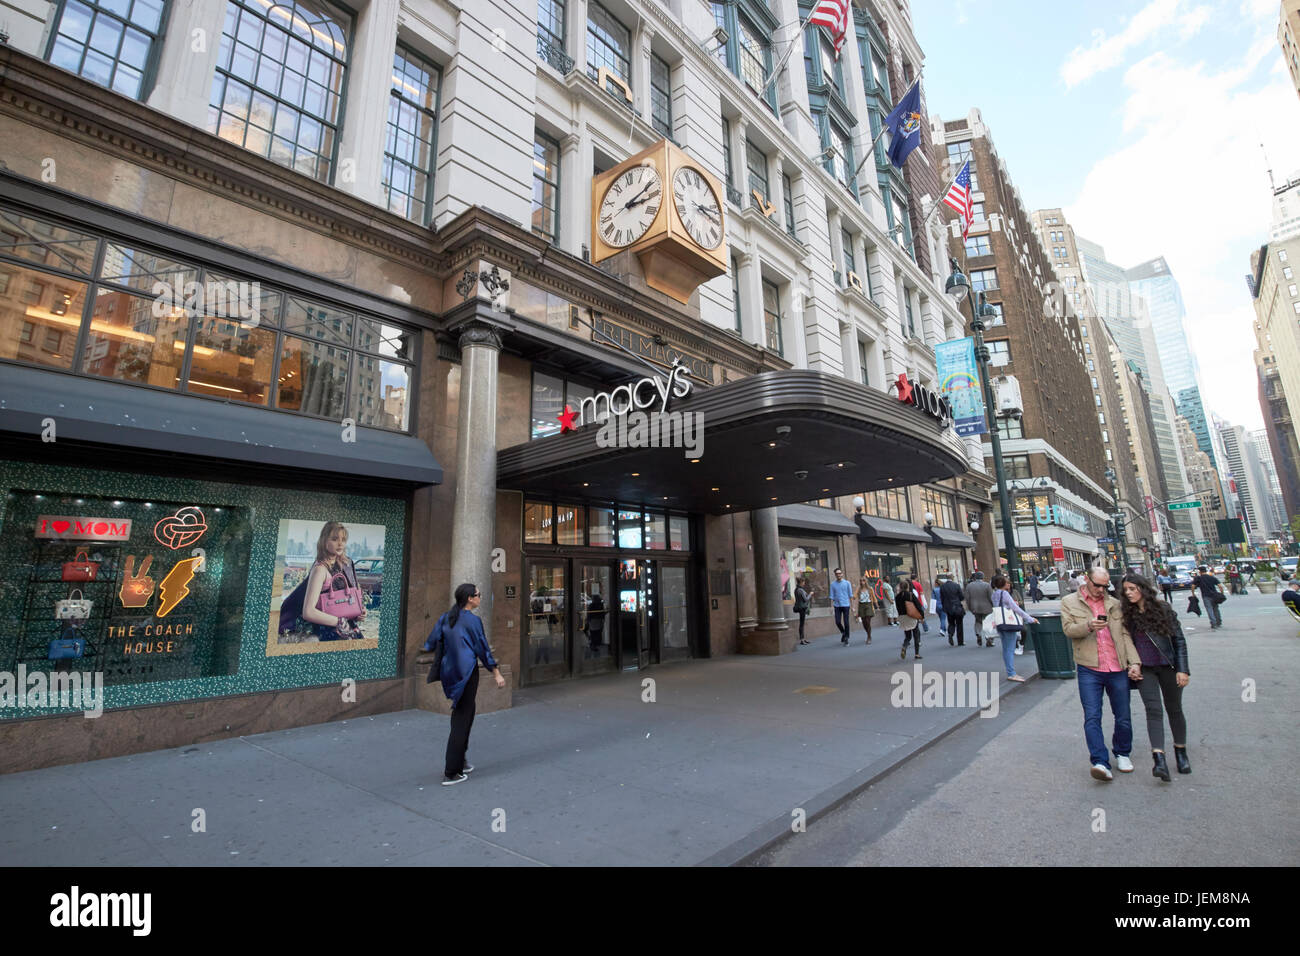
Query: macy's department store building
(180, 470)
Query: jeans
(1008, 635)
(1168, 593)
(1211, 608)
(943, 619)
(1156, 682)
(842, 622)
(462, 719)
(1115, 684)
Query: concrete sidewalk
(580, 773)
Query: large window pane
(601, 534)
(295, 52)
(128, 342)
(546, 621)
(412, 124)
(570, 524)
(656, 531)
(44, 243)
(608, 44)
(538, 519)
(313, 379)
(109, 42)
(39, 316)
(548, 402)
(680, 526)
(629, 529)
(319, 321)
(231, 360)
(139, 269)
(546, 186)
(380, 393)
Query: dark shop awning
(814, 518)
(164, 425)
(886, 529)
(782, 437)
(947, 538)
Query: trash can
(1054, 651)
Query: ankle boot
(1180, 758)
(1161, 769)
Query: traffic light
(1110, 529)
(1215, 503)
(1119, 526)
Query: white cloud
(1190, 184)
(1107, 52)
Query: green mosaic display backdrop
(266, 507)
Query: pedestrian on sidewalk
(914, 581)
(866, 604)
(841, 599)
(1162, 650)
(938, 606)
(1211, 596)
(885, 594)
(1005, 606)
(464, 646)
(911, 614)
(1291, 596)
(1031, 582)
(950, 595)
(1103, 652)
(979, 601)
(1166, 585)
(802, 602)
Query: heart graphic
(181, 529)
(61, 526)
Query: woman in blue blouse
(465, 645)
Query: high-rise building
(1275, 295)
(1203, 481)
(1271, 490)
(1054, 451)
(1250, 484)
(1127, 429)
(1127, 314)
(1286, 208)
(1288, 36)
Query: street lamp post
(958, 287)
(1040, 483)
(1119, 518)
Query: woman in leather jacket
(1162, 648)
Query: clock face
(697, 207)
(630, 206)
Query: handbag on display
(80, 568)
(344, 602)
(66, 648)
(73, 609)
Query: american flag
(834, 16)
(959, 198)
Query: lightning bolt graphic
(173, 589)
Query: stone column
(370, 79)
(773, 635)
(740, 161)
(752, 326)
(474, 511)
(641, 43)
(575, 192)
(188, 62)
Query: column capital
(779, 163)
(569, 143)
(477, 332)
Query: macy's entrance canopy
(771, 439)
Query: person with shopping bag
(1006, 621)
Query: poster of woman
(328, 587)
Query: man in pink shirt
(1106, 659)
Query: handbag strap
(77, 592)
(81, 555)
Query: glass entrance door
(597, 626)
(674, 616)
(634, 613)
(546, 646)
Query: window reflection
(128, 342)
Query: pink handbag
(345, 602)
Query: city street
(1015, 791)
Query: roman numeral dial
(697, 207)
(630, 206)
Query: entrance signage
(927, 400)
(635, 396)
(647, 347)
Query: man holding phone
(1106, 659)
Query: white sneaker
(1019, 650)
(1123, 764)
(1101, 772)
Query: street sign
(1058, 549)
(1177, 505)
(1105, 540)
(1202, 544)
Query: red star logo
(566, 418)
(904, 388)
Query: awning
(89, 411)
(782, 437)
(947, 538)
(885, 529)
(814, 518)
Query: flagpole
(884, 129)
(785, 58)
(939, 200)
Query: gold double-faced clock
(667, 209)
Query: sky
(1144, 121)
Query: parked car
(1050, 585)
(1287, 568)
(370, 578)
(1182, 581)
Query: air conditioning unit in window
(1006, 391)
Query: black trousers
(462, 719)
(1168, 592)
(955, 626)
(1157, 682)
(842, 622)
(803, 616)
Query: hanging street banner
(959, 382)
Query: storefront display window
(537, 522)
(656, 531)
(811, 558)
(173, 589)
(888, 563)
(39, 316)
(127, 342)
(629, 530)
(887, 503)
(602, 527)
(570, 524)
(947, 563)
(680, 526)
